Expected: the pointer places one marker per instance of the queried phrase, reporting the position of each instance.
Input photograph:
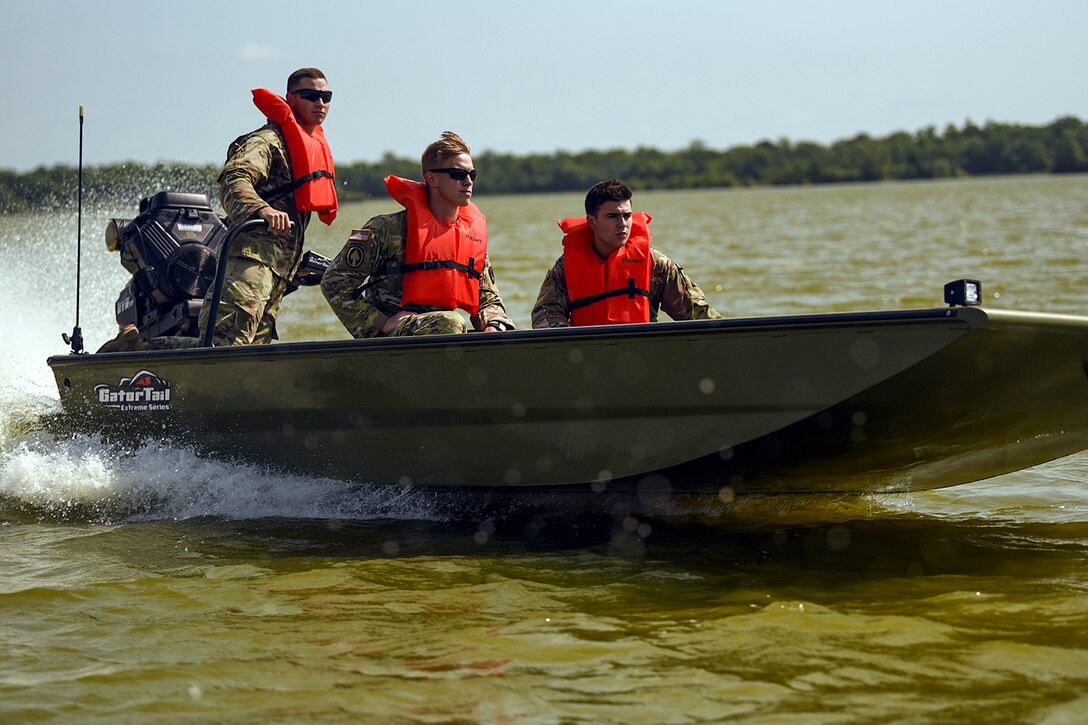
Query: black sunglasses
(312, 94)
(457, 174)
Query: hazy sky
(171, 81)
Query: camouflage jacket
(363, 283)
(257, 164)
(670, 289)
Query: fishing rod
(76, 340)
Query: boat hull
(867, 402)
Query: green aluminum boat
(845, 403)
(826, 403)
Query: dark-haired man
(609, 274)
(280, 172)
(413, 272)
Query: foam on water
(83, 479)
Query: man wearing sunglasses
(280, 173)
(609, 274)
(421, 270)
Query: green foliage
(996, 148)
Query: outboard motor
(171, 249)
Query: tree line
(993, 148)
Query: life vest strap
(468, 269)
(290, 187)
(630, 291)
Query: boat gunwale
(613, 334)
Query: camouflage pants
(174, 342)
(440, 322)
(252, 293)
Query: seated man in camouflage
(408, 273)
(608, 272)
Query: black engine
(171, 249)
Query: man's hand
(279, 222)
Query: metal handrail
(221, 273)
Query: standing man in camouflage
(408, 272)
(257, 183)
(614, 274)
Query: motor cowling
(171, 249)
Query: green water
(156, 586)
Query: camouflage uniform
(670, 289)
(363, 286)
(260, 262)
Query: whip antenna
(76, 340)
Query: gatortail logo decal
(144, 391)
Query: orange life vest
(607, 291)
(314, 183)
(442, 262)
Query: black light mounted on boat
(963, 293)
